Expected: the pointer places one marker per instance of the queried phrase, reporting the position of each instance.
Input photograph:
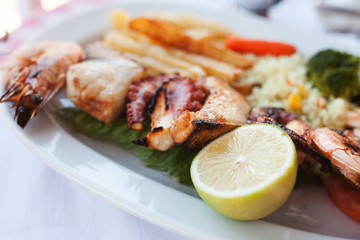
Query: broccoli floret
(335, 73)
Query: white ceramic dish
(119, 177)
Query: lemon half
(247, 173)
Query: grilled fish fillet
(99, 85)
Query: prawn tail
(17, 88)
(27, 108)
(26, 101)
(302, 145)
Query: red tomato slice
(345, 196)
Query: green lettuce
(176, 161)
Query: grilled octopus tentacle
(185, 94)
(174, 96)
(140, 95)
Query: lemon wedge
(248, 173)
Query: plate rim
(48, 158)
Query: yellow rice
(278, 77)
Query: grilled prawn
(298, 130)
(34, 73)
(342, 148)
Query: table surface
(38, 203)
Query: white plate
(119, 177)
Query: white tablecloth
(38, 203)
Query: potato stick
(156, 66)
(189, 21)
(136, 52)
(172, 35)
(137, 36)
(198, 32)
(126, 44)
(119, 19)
(121, 42)
(211, 66)
(204, 34)
(195, 27)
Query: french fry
(188, 21)
(140, 44)
(119, 40)
(195, 27)
(211, 66)
(155, 66)
(122, 42)
(137, 36)
(172, 35)
(205, 34)
(119, 19)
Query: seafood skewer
(34, 73)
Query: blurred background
(339, 18)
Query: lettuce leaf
(176, 161)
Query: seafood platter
(191, 118)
